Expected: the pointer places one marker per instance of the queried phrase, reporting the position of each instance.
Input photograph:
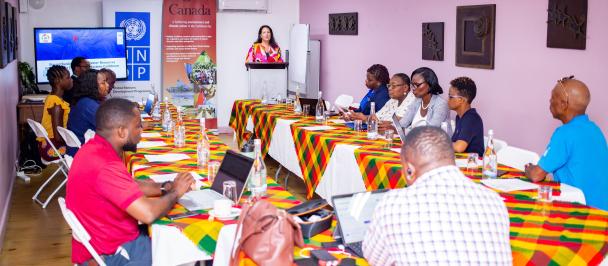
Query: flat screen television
(102, 47)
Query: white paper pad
(397, 150)
(150, 144)
(145, 115)
(337, 121)
(462, 163)
(171, 177)
(318, 128)
(150, 135)
(509, 185)
(139, 166)
(167, 157)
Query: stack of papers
(150, 144)
(509, 185)
(150, 135)
(337, 121)
(318, 128)
(167, 157)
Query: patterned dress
(257, 54)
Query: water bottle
(167, 121)
(264, 93)
(203, 147)
(490, 164)
(257, 181)
(319, 110)
(156, 108)
(297, 107)
(179, 135)
(372, 123)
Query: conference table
(200, 237)
(332, 159)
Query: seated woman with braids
(55, 112)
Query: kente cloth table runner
(265, 118)
(241, 110)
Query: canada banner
(189, 55)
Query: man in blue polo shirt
(577, 153)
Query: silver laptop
(234, 167)
(354, 213)
(399, 128)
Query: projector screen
(102, 47)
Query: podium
(269, 78)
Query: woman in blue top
(376, 83)
(92, 88)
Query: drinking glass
(306, 109)
(472, 162)
(326, 116)
(388, 136)
(545, 193)
(212, 168)
(357, 126)
(230, 191)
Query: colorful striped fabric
(241, 110)
(265, 118)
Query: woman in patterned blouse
(401, 99)
(265, 49)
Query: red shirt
(99, 191)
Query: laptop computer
(399, 128)
(235, 167)
(354, 214)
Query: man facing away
(577, 153)
(107, 200)
(442, 217)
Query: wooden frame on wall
(567, 24)
(344, 24)
(475, 31)
(432, 41)
(13, 28)
(9, 35)
(3, 35)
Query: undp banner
(189, 54)
(142, 21)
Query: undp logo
(135, 28)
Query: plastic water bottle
(156, 108)
(319, 110)
(257, 181)
(179, 135)
(203, 147)
(167, 120)
(490, 160)
(297, 107)
(372, 123)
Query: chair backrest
(78, 232)
(344, 101)
(68, 160)
(40, 132)
(88, 135)
(498, 143)
(69, 137)
(516, 157)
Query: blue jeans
(134, 253)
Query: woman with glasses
(400, 100)
(429, 108)
(468, 134)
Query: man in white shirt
(442, 217)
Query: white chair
(516, 157)
(89, 135)
(498, 144)
(63, 166)
(78, 232)
(69, 137)
(343, 101)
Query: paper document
(397, 150)
(150, 144)
(144, 115)
(150, 135)
(462, 163)
(318, 128)
(509, 185)
(167, 157)
(337, 121)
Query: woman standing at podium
(265, 49)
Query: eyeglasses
(416, 85)
(395, 85)
(455, 96)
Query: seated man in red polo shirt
(105, 197)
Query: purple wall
(513, 98)
(9, 85)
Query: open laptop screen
(234, 167)
(354, 213)
(399, 128)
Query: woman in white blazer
(429, 108)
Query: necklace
(427, 106)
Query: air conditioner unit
(244, 5)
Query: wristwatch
(163, 187)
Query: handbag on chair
(268, 235)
